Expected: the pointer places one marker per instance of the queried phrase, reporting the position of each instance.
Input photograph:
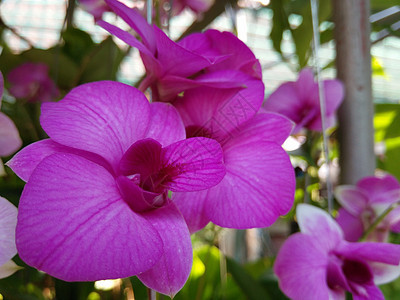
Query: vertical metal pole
(353, 61)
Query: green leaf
(279, 23)
(102, 62)
(250, 287)
(77, 44)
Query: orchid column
(352, 34)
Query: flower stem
(378, 220)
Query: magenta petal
(166, 125)
(318, 223)
(9, 136)
(25, 161)
(352, 226)
(170, 273)
(385, 189)
(258, 186)
(74, 225)
(369, 292)
(352, 199)
(127, 38)
(102, 117)
(191, 206)
(8, 222)
(197, 164)
(135, 20)
(169, 53)
(376, 252)
(143, 157)
(264, 126)
(301, 268)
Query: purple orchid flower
(95, 205)
(214, 59)
(299, 101)
(31, 81)
(318, 263)
(95, 7)
(363, 203)
(8, 222)
(9, 136)
(259, 183)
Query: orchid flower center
(197, 131)
(347, 274)
(144, 176)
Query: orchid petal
(384, 273)
(101, 117)
(376, 252)
(352, 226)
(318, 223)
(10, 140)
(334, 93)
(265, 126)
(71, 205)
(257, 188)
(143, 157)
(25, 161)
(299, 262)
(198, 163)
(191, 206)
(169, 53)
(380, 190)
(8, 222)
(135, 20)
(369, 292)
(170, 273)
(166, 125)
(8, 268)
(352, 199)
(127, 38)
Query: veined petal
(258, 186)
(197, 164)
(127, 38)
(102, 117)
(301, 267)
(352, 199)
(264, 126)
(10, 140)
(74, 225)
(25, 161)
(318, 223)
(384, 273)
(8, 222)
(166, 125)
(191, 206)
(171, 272)
(169, 53)
(352, 226)
(135, 20)
(375, 252)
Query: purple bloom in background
(9, 136)
(259, 183)
(213, 59)
(95, 205)
(95, 7)
(299, 101)
(31, 81)
(8, 222)
(318, 263)
(363, 203)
